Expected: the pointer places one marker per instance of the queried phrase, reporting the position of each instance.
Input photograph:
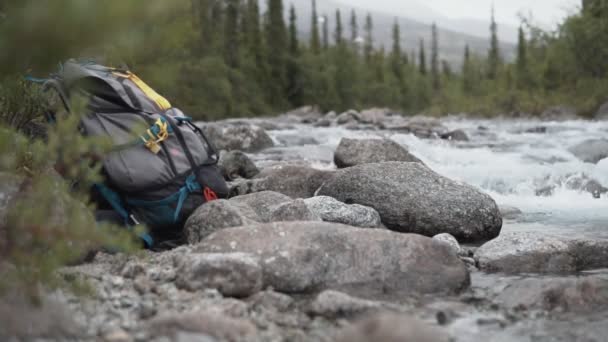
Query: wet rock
(291, 180)
(323, 123)
(392, 328)
(309, 256)
(518, 252)
(263, 204)
(351, 152)
(559, 113)
(271, 300)
(591, 151)
(331, 210)
(232, 274)
(584, 294)
(295, 210)
(213, 216)
(296, 140)
(334, 304)
(457, 135)
(374, 115)
(306, 114)
(216, 325)
(509, 212)
(537, 130)
(242, 137)
(450, 241)
(412, 198)
(351, 116)
(421, 126)
(235, 164)
(602, 112)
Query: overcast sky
(547, 12)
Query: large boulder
(235, 164)
(457, 135)
(232, 274)
(304, 257)
(351, 152)
(208, 326)
(519, 252)
(585, 294)
(331, 210)
(411, 198)
(591, 151)
(242, 137)
(292, 180)
(388, 327)
(374, 115)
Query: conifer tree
(325, 32)
(422, 58)
(436, 81)
(294, 86)
(315, 44)
(494, 59)
(522, 61)
(216, 28)
(339, 32)
(396, 52)
(231, 34)
(369, 39)
(467, 72)
(276, 38)
(446, 69)
(354, 27)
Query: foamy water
(501, 160)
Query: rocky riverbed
(367, 226)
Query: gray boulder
(374, 115)
(457, 135)
(411, 198)
(295, 210)
(351, 152)
(216, 215)
(232, 274)
(242, 137)
(216, 325)
(263, 204)
(518, 252)
(392, 328)
(331, 210)
(584, 295)
(591, 151)
(302, 257)
(450, 241)
(235, 164)
(334, 304)
(291, 180)
(602, 112)
(351, 116)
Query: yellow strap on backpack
(160, 101)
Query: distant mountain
(451, 42)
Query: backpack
(158, 178)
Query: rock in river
(304, 257)
(411, 198)
(351, 152)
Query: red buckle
(209, 194)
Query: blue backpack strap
(116, 203)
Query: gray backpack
(158, 178)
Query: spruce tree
(436, 80)
(422, 58)
(494, 59)
(396, 53)
(467, 72)
(276, 38)
(354, 27)
(202, 10)
(522, 61)
(231, 34)
(368, 48)
(315, 44)
(216, 28)
(446, 69)
(325, 32)
(294, 87)
(339, 32)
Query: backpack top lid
(110, 88)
